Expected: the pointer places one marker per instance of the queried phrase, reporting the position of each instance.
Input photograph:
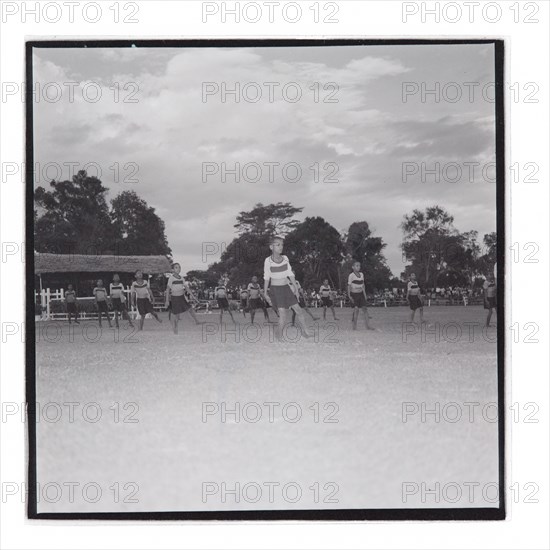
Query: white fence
(46, 296)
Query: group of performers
(281, 291)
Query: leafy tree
(459, 261)
(429, 241)
(488, 260)
(197, 275)
(140, 230)
(245, 254)
(363, 247)
(469, 261)
(439, 254)
(315, 250)
(73, 217)
(243, 258)
(490, 243)
(273, 219)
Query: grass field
(348, 430)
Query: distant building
(56, 271)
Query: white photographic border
(527, 373)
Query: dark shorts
(71, 307)
(327, 302)
(302, 302)
(102, 307)
(223, 303)
(358, 299)
(244, 303)
(256, 303)
(118, 304)
(178, 304)
(282, 297)
(415, 302)
(144, 306)
(490, 303)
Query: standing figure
(116, 293)
(326, 301)
(142, 296)
(414, 298)
(244, 300)
(70, 303)
(223, 303)
(277, 276)
(100, 295)
(358, 295)
(256, 300)
(489, 297)
(176, 289)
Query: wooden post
(48, 297)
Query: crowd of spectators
(387, 297)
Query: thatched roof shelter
(81, 263)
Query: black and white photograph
(265, 279)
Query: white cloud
(369, 132)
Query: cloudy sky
(163, 124)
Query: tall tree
(428, 239)
(488, 260)
(273, 219)
(244, 255)
(439, 254)
(362, 246)
(315, 250)
(469, 261)
(243, 258)
(73, 217)
(140, 230)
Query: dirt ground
(226, 418)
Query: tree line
(75, 217)
(432, 248)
